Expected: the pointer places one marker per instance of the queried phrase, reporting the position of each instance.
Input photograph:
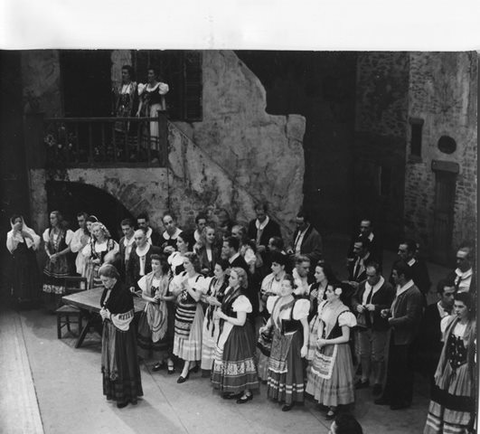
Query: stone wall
(262, 154)
(443, 91)
(380, 137)
(41, 82)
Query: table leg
(84, 332)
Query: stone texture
(443, 91)
(41, 82)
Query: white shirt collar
(375, 287)
(402, 289)
(128, 242)
(167, 236)
(464, 275)
(235, 256)
(261, 226)
(443, 313)
(411, 262)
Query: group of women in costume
(197, 311)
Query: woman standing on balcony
(152, 100)
(125, 99)
(101, 249)
(57, 240)
(22, 243)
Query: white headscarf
(13, 238)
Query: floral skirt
(286, 380)
(234, 367)
(54, 275)
(121, 373)
(332, 385)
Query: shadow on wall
(71, 198)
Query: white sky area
(433, 25)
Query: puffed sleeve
(142, 283)
(347, 319)
(45, 235)
(140, 88)
(11, 243)
(163, 88)
(301, 309)
(176, 283)
(201, 285)
(69, 237)
(271, 302)
(36, 241)
(445, 322)
(250, 257)
(87, 250)
(242, 304)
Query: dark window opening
(416, 137)
(447, 145)
(182, 71)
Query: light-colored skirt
(190, 348)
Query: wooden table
(88, 302)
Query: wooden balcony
(96, 142)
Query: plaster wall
(443, 91)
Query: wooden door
(443, 216)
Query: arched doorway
(73, 197)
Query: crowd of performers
(236, 304)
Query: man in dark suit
(126, 245)
(404, 318)
(306, 240)
(230, 248)
(366, 229)
(140, 263)
(261, 229)
(464, 275)
(429, 342)
(194, 237)
(372, 296)
(407, 251)
(144, 222)
(357, 269)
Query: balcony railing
(105, 141)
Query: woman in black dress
(22, 242)
(121, 374)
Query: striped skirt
(187, 343)
(286, 379)
(452, 406)
(332, 384)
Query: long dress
(125, 99)
(270, 285)
(187, 342)
(120, 369)
(25, 281)
(286, 379)
(95, 250)
(211, 325)
(54, 273)
(153, 101)
(234, 367)
(155, 326)
(330, 378)
(452, 407)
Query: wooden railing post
(162, 138)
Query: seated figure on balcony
(152, 100)
(126, 99)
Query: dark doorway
(443, 216)
(86, 82)
(72, 197)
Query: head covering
(14, 238)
